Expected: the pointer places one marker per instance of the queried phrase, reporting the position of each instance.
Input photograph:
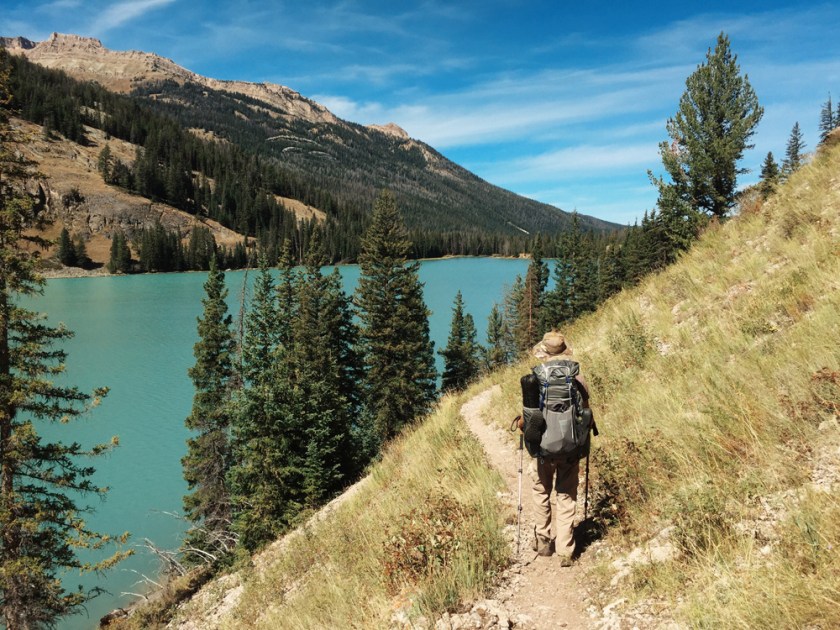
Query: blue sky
(564, 102)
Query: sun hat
(553, 344)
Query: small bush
(631, 342)
(424, 541)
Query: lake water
(135, 334)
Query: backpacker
(557, 427)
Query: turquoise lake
(135, 335)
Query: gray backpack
(566, 428)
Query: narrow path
(536, 593)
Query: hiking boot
(542, 546)
(565, 561)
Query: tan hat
(553, 344)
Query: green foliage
(425, 542)
(793, 152)
(827, 120)
(398, 354)
(206, 463)
(120, 258)
(770, 174)
(41, 521)
(462, 352)
(717, 115)
(496, 353)
(66, 251)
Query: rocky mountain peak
(69, 42)
(391, 129)
(14, 44)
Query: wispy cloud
(123, 12)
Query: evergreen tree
(398, 354)
(717, 116)
(80, 252)
(206, 463)
(827, 121)
(104, 163)
(575, 281)
(41, 483)
(266, 473)
(514, 301)
(793, 152)
(496, 353)
(326, 376)
(66, 251)
(530, 324)
(120, 256)
(769, 176)
(461, 355)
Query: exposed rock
(658, 549)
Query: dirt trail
(536, 592)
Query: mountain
(333, 165)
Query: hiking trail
(535, 592)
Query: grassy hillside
(717, 389)
(716, 385)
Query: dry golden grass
(717, 389)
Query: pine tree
(41, 483)
(793, 152)
(769, 176)
(717, 116)
(120, 255)
(496, 353)
(514, 301)
(530, 325)
(398, 354)
(205, 465)
(326, 377)
(461, 355)
(827, 121)
(66, 252)
(266, 472)
(80, 252)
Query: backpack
(558, 427)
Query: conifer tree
(827, 120)
(717, 116)
(793, 152)
(769, 176)
(265, 476)
(461, 354)
(41, 483)
(326, 377)
(120, 254)
(514, 300)
(575, 283)
(66, 252)
(531, 324)
(496, 353)
(206, 463)
(398, 354)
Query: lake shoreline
(101, 272)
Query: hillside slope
(76, 198)
(715, 480)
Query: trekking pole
(586, 489)
(519, 499)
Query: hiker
(555, 394)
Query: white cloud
(121, 13)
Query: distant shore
(78, 272)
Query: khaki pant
(562, 477)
